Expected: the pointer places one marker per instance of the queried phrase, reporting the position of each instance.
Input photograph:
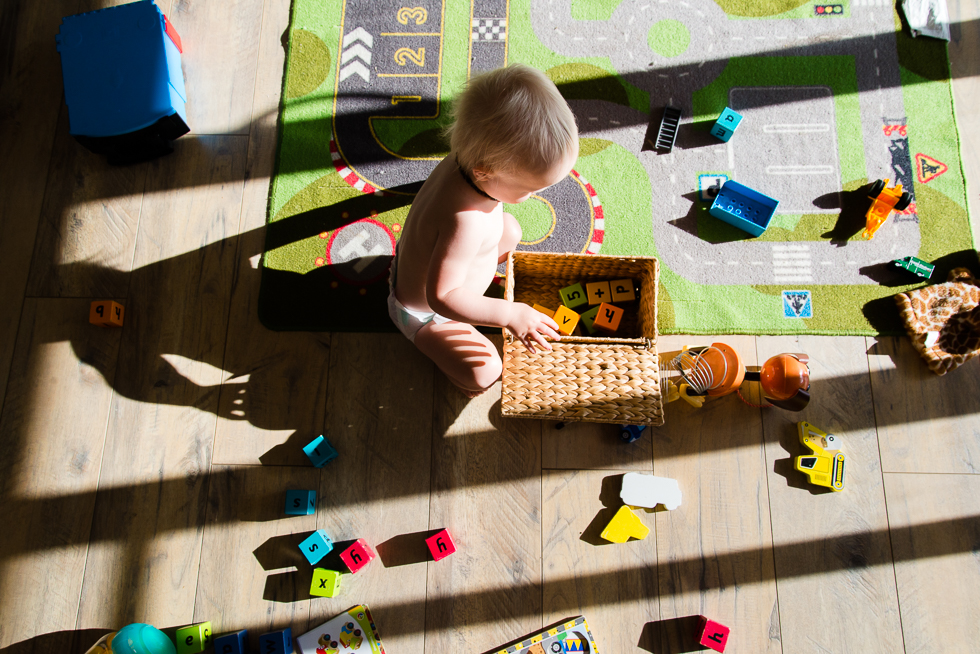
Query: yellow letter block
(545, 310)
(566, 319)
(624, 525)
(598, 292)
(622, 290)
(326, 583)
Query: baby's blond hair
(511, 119)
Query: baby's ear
(481, 174)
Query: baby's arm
(456, 249)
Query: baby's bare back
(445, 236)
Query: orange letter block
(622, 290)
(106, 313)
(598, 292)
(566, 319)
(608, 318)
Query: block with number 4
(566, 319)
(598, 292)
(573, 296)
(106, 313)
(608, 318)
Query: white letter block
(649, 491)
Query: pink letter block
(358, 555)
(713, 634)
(441, 544)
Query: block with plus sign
(326, 583)
(317, 546)
(598, 292)
(357, 555)
(441, 544)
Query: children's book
(353, 631)
(572, 635)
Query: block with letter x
(326, 583)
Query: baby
(513, 135)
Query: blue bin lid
(116, 71)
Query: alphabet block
(624, 525)
(233, 643)
(545, 310)
(598, 292)
(566, 319)
(317, 546)
(608, 318)
(106, 313)
(588, 319)
(441, 545)
(622, 290)
(358, 555)
(726, 124)
(276, 642)
(320, 452)
(326, 583)
(193, 638)
(712, 634)
(300, 502)
(573, 296)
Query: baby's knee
(487, 374)
(512, 230)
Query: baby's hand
(531, 326)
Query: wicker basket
(594, 379)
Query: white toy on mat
(649, 491)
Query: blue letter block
(233, 643)
(317, 546)
(320, 451)
(300, 502)
(276, 642)
(726, 124)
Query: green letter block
(573, 296)
(326, 583)
(193, 639)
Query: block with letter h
(441, 544)
(357, 555)
(712, 634)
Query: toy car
(915, 265)
(630, 433)
(825, 466)
(884, 201)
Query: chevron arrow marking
(359, 34)
(356, 51)
(355, 68)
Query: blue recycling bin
(124, 86)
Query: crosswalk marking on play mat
(791, 263)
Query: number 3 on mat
(404, 55)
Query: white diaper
(407, 321)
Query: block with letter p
(441, 544)
(357, 555)
(608, 318)
(622, 290)
(106, 313)
(194, 638)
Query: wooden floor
(143, 470)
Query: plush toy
(943, 320)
